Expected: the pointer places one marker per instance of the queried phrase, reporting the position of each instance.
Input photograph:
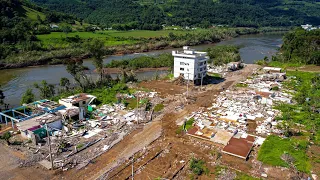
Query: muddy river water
(14, 82)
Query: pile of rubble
(226, 121)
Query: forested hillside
(300, 46)
(191, 12)
(21, 21)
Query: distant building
(190, 64)
(308, 27)
(54, 26)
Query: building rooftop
(239, 147)
(36, 121)
(187, 51)
(77, 98)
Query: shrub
(158, 107)
(198, 166)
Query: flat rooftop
(77, 98)
(188, 52)
(36, 121)
(239, 147)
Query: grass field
(56, 39)
(274, 147)
(112, 33)
(32, 14)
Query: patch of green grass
(218, 169)
(274, 147)
(32, 14)
(216, 75)
(143, 33)
(158, 107)
(243, 176)
(241, 85)
(79, 146)
(170, 76)
(57, 39)
(131, 103)
(186, 126)
(189, 123)
(284, 65)
(107, 95)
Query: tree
(96, 49)
(64, 82)
(6, 136)
(28, 97)
(1, 96)
(46, 90)
(76, 69)
(39, 19)
(66, 28)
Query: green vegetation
(46, 90)
(306, 110)
(108, 95)
(158, 107)
(6, 136)
(163, 60)
(223, 54)
(241, 85)
(215, 75)
(1, 96)
(33, 14)
(198, 167)
(283, 65)
(243, 176)
(300, 47)
(186, 126)
(150, 14)
(79, 146)
(285, 152)
(27, 97)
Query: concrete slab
(45, 163)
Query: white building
(190, 64)
(308, 27)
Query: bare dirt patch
(164, 88)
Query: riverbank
(252, 47)
(60, 56)
(140, 70)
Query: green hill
(191, 12)
(32, 14)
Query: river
(14, 82)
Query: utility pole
(201, 80)
(137, 111)
(188, 86)
(49, 141)
(132, 169)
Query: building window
(181, 69)
(205, 62)
(184, 64)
